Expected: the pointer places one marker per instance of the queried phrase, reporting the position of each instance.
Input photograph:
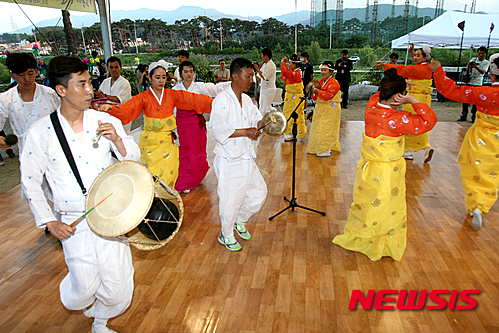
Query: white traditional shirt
(20, 116)
(43, 156)
(476, 77)
(208, 89)
(227, 115)
(121, 89)
(269, 72)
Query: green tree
(315, 52)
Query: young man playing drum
(100, 278)
(241, 187)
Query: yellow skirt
(422, 92)
(325, 130)
(377, 220)
(479, 159)
(157, 151)
(291, 100)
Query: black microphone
(10, 140)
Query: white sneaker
(326, 154)
(87, 312)
(477, 218)
(428, 154)
(408, 156)
(186, 191)
(288, 137)
(104, 330)
(230, 243)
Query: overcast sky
(263, 8)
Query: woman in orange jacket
(420, 75)
(479, 154)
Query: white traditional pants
(266, 99)
(100, 269)
(241, 191)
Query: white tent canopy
(444, 33)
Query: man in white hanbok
(116, 88)
(267, 76)
(26, 103)
(241, 187)
(100, 278)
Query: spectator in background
(266, 74)
(476, 67)
(307, 72)
(93, 69)
(394, 57)
(28, 101)
(139, 72)
(103, 71)
(116, 88)
(182, 56)
(222, 74)
(143, 79)
(41, 75)
(343, 68)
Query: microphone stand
(293, 203)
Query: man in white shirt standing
(267, 76)
(27, 102)
(116, 88)
(241, 187)
(100, 277)
(478, 67)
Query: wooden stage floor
(289, 277)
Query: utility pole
(374, 33)
(324, 11)
(367, 11)
(83, 38)
(339, 17)
(136, 44)
(312, 14)
(406, 16)
(296, 28)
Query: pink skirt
(193, 164)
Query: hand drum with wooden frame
(146, 213)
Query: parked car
(354, 59)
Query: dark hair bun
(391, 74)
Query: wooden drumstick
(86, 213)
(272, 120)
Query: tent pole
(105, 26)
(406, 54)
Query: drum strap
(67, 151)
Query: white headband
(326, 67)
(160, 63)
(493, 67)
(427, 51)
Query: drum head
(278, 122)
(132, 191)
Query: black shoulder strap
(66, 149)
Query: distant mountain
(188, 12)
(183, 12)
